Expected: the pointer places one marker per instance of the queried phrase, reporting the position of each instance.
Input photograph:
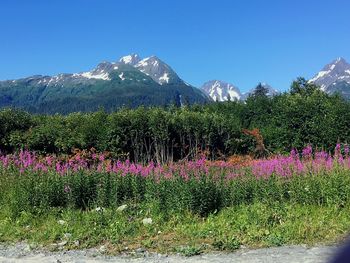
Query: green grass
(255, 225)
(188, 217)
(36, 192)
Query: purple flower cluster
(308, 162)
(26, 161)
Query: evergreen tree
(303, 87)
(185, 101)
(260, 91)
(177, 99)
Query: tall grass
(36, 184)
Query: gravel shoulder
(22, 253)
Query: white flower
(147, 221)
(103, 249)
(61, 222)
(121, 208)
(67, 235)
(98, 209)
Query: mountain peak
(339, 60)
(336, 71)
(152, 60)
(221, 90)
(338, 64)
(103, 66)
(158, 70)
(131, 59)
(153, 57)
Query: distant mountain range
(333, 78)
(133, 81)
(222, 91)
(130, 82)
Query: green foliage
(189, 215)
(304, 116)
(260, 91)
(13, 123)
(206, 196)
(36, 192)
(189, 251)
(229, 244)
(303, 87)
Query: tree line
(303, 115)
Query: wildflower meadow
(283, 199)
(87, 180)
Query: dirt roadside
(23, 253)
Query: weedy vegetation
(189, 207)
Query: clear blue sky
(239, 41)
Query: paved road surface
(22, 253)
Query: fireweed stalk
(308, 162)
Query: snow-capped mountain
(334, 77)
(131, 81)
(152, 66)
(221, 91)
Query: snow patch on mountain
(157, 70)
(164, 78)
(101, 75)
(221, 91)
(132, 59)
(121, 76)
(320, 75)
(142, 63)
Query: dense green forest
(303, 115)
(67, 94)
